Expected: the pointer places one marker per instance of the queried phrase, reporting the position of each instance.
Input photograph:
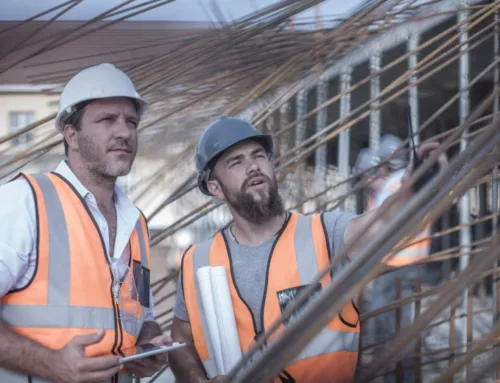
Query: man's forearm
(23, 355)
(149, 331)
(186, 365)
(359, 231)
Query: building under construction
(324, 88)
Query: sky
(178, 10)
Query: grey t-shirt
(250, 262)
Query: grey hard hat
(366, 160)
(389, 144)
(220, 136)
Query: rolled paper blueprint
(203, 276)
(226, 322)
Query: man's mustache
(121, 146)
(252, 178)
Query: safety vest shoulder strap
(141, 229)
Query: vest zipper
(284, 375)
(236, 285)
(118, 327)
(116, 310)
(278, 235)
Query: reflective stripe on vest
(46, 310)
(336, 344)
(326, 341)
(416, 249)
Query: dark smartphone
(418, 161)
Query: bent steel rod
(289, 343)
(20, 44)
(481, 262)
(490, 364)
(46, 12)
(309, 150)
(307, 146)
(331, 301)
(60, 36)
(400, 80)
(469, 356)
(427, 193)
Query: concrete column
(300, 129)
(345, 136)
(464, 203)
(375, 115)
(320, 153)
(300, 135)
(495, 188)
(413, 92)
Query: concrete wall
(41, 105)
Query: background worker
(373, 179)
(269, 254)
(74, 250)
(383, 289)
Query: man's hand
(70, 364)
(423, 151)
(358, 228)
(146, 367)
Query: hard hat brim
(142, 106)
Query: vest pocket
(142, 279)
(288, 296)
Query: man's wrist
(50, 359)
(149, 331)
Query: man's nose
(253, 167)
(122, 129)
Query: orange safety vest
(71, 292)
(301, 250)
(416, 248)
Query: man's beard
(255, 211)
(97, 164)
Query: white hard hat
(389, 145)
(366, 160)
(96, 82)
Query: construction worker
(74, 250)
(373, 179)
(270, 255)
(383, 291)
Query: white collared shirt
(18, 230)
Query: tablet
(146, 350)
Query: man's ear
(215, 189)
(70, 133)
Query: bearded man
(270, 255)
